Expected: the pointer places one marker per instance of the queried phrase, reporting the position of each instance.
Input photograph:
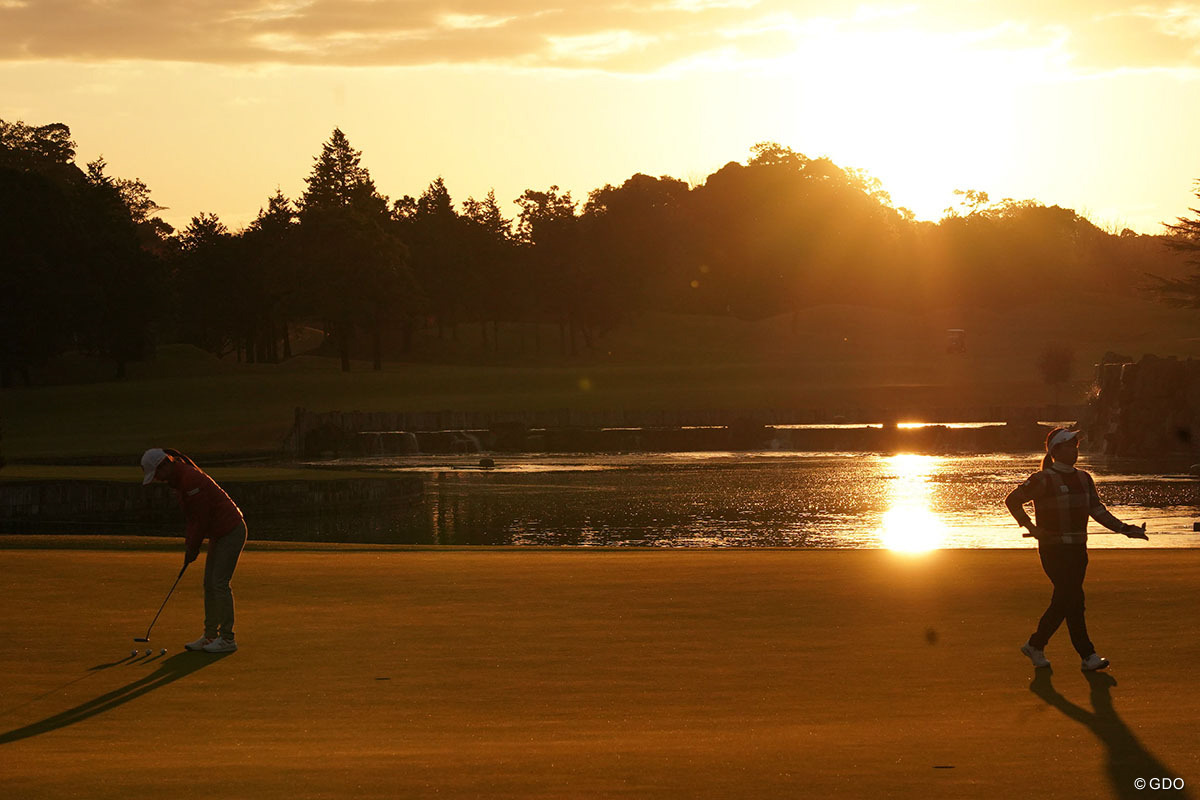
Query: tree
(205, 278)
(355, 266)
(435, 235)
(641, 244)
(548, 230)
(490, 254)
(1055, 364)
(271, 255)
(1184, 238)
(339, 180)
(76, 274)
(37, 293)
(786, 231)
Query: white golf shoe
(220, 645)
(199, 644)
(1038, 657)
(1093, 662)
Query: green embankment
(832, 358)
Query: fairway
(412, 673)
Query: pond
(721, 499)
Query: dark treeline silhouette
(78, 268)
(88, 265)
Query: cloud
(616, 35)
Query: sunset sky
(1093, 105)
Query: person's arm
(1018, 497)
(1101, 514)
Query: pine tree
(339, 180)
(355, 267)
(1184, 237)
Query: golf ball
(163, 652)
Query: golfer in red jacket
(210, 514)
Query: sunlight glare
(925, 113)
(909, 525)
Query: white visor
(1063, 436)
(150, 461)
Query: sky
(1089, 105)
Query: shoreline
(173, 542)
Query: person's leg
(211, 614)
(223, 556)
(1052, 565)
(1074, 571)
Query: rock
(1147, 408)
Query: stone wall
(350, 433)
(1147, 408)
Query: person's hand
(1135, 531)
(189, 556)
(1033, 531)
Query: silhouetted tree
(1183, 237)
(642, 246)
(75, 275)
(491, 262)
(435, 235)
(548, 229)
(205, 277)
(271, 253)
(355, 265)
(37, 287)
(785, 231)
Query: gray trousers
(219, 564)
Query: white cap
(150, 461)
(1063, 436)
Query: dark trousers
(1065, 566)
(219, 565)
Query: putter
(146, 638)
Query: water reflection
(770, 499)
(909, 524)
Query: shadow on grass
(168, 671)
(90, 671)
(1128, 759)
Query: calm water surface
(903, 502)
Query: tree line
(90, 266)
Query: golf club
(146, 638)
(1028, 535)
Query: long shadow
(1128, 759)
(83, 677)
(169, 671)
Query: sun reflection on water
(909, 525)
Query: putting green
(414, 673)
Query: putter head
(141, 639)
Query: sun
(924, 113)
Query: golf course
(383, 672)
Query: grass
(483, 674)
(835, 358)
